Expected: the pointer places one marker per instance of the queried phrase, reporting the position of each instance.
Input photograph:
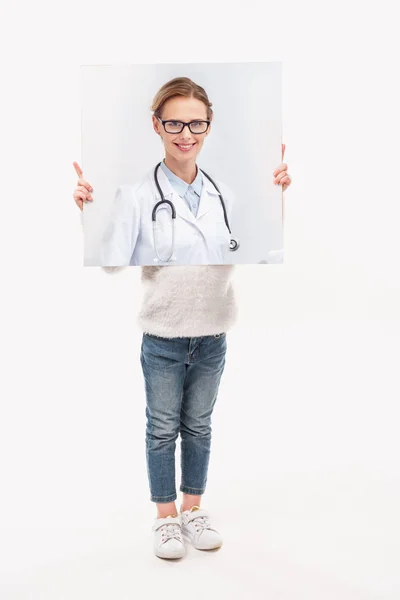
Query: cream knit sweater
(186, 301)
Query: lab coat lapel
(208, 198)
(181, 207)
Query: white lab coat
(128, 239)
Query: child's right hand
(82, 192)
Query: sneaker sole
(169, 557)
(172, 556)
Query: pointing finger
(77, 169)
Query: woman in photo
(192, 211)
(185, 315)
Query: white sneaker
(168, 542)
(196, 528)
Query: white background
(304, 474)
(119, 144)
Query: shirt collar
(181, 186)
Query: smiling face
(184, 146)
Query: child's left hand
(281, 175)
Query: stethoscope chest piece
(234, 244)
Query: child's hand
(281, 175)
(82, 192)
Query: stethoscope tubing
(234, 243)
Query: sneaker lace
(171, 530)
(201, 523)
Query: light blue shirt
(190, 192)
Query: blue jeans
(182, 377)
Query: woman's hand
(281, 175)
(82, 192)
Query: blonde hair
(180, 86)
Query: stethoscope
(234, 243)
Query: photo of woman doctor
(176, 214)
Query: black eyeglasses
(196, 127)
